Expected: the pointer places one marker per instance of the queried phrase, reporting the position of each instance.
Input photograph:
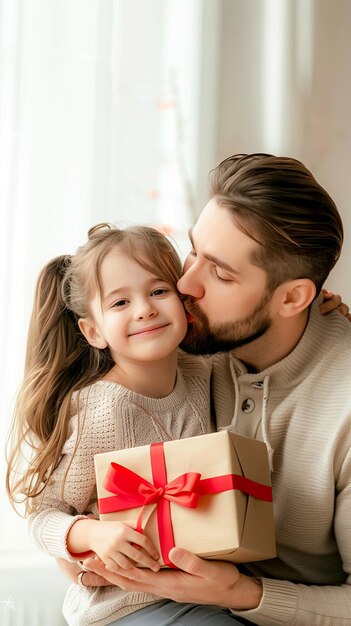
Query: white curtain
(98, 122)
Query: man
(262, 249)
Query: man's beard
(201, 338)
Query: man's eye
(224, 280)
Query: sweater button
(248, 405)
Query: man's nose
(190, 284)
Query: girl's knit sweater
(107, 416)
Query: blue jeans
(169, 613)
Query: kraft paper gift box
(210, 494)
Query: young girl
(103, 372)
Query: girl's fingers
(343, 309)
(130, 553)
(128, 559)
(136, 553)
(119, 545)
(117, 562)
(331, 302)
(327, 294)
(142, 558)
(139, 539)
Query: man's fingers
(94, 580)
(190, 563)
(123, 578)
(98, 569)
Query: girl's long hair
(59, 361)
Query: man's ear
(91, 333)
(295, 296)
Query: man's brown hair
(277, 202)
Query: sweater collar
(294, 368)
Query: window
(100, 121)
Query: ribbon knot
(151, 496)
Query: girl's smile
(148, 330)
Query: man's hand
(196, 581)
(91, 579)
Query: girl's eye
(120, 303)
(159, 292)
(193, 253)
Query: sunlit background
(116, 110)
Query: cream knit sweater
(305, 405)
(111, 417)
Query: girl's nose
(145, 310)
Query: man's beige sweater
(111, 417)
(301, 406)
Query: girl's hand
(118, 545)
(332, 302)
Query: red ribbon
(133, 491)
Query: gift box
(210, 494)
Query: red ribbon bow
(134, 491)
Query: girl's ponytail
(58, 362)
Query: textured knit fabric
(305, 401)
(108, 417)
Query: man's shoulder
(333, 335)
(321, 362)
